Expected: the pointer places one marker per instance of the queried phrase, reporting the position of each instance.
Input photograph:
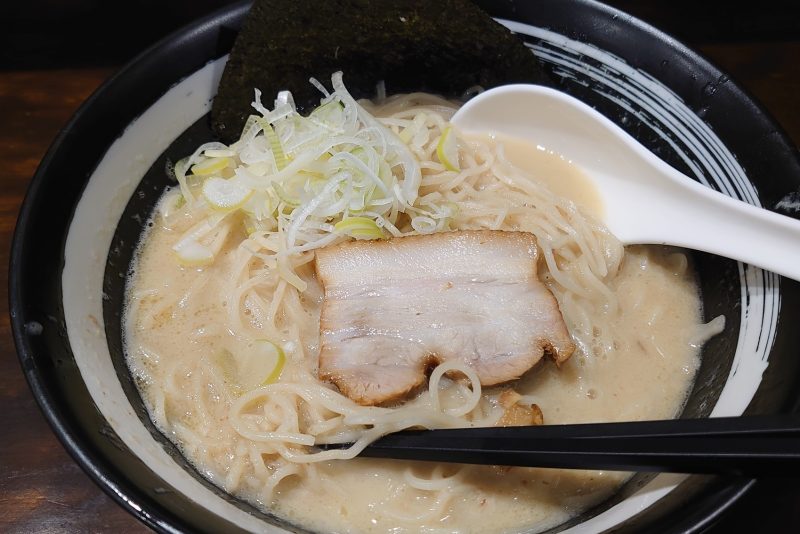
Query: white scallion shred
(308, 182)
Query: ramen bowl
(95, 189)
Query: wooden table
(41, 487)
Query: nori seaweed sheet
(444, 47)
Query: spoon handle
(700, 218)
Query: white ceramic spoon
(644, 199)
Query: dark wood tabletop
(43, 490)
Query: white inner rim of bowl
(130, 156)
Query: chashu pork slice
(393, 308)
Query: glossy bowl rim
(127, 496)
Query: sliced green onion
(274, 143)
(219, 153)
(308, 181)
(210, 166)
(259, 364)
(284, 196)
(225, 194)
(329, 115)
(193, 254)
(226, 363)
(359, 228)
(447, 150)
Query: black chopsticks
(745, 446)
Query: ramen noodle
(222, 325)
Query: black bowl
(99, 181)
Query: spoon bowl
(645, 201)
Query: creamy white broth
(176, 329)
(553, 170)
